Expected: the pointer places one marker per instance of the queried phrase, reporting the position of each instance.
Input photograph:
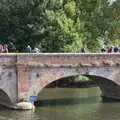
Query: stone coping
(60, 54)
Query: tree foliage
(59, 25)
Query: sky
(111, 1)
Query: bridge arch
(103, 76)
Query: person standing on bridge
(5, 48)
(110, 50)
(103, 50)
(83, 49)
(116, 49)
(1, 48)
(28, 49)
(36, 50)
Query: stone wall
(23, 75)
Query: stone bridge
(24, 75)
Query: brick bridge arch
(105, 78)
(23, 75)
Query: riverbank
(82, 84)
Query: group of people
(3, 48)
(110, 50)
(103, 50)
(28, 49)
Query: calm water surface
(68, 104)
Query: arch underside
(109, 89)
(4, 99)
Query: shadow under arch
(72, 82)
(4, 99)
(110, 90)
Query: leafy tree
(59, 25)
(18, 22)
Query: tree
(59, 25)
(18, 22)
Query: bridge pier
(25, 101)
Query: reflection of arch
(4, 98)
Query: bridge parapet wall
(8, 59)
(60, 59)
(69, 59)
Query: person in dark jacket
(116, 49)
(83, 49)
(28, 49)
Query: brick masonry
(30, 73)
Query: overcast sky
(111, 1)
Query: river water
(68, 104)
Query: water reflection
(68, 104)
(67, 101)
(16, 115)
(108, 111)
